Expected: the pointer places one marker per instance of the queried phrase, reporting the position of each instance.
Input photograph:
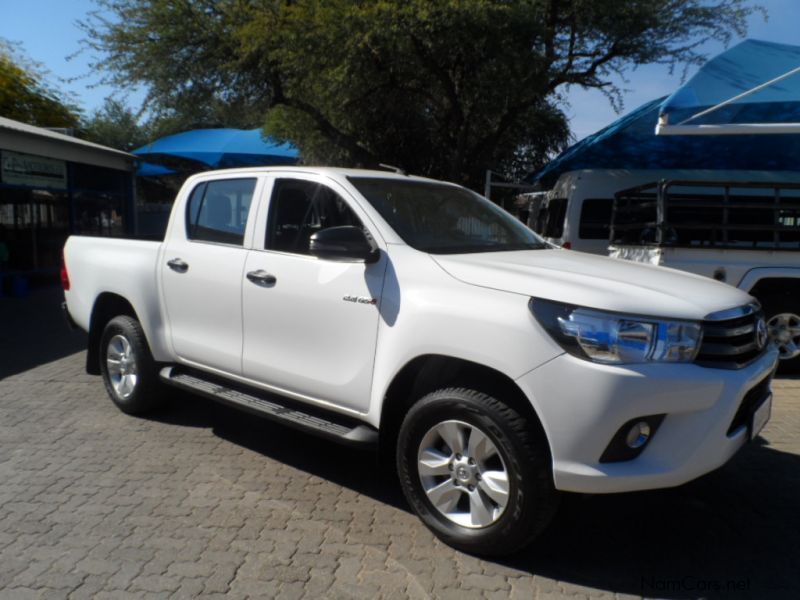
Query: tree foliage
(446, 88)
(115, 125)
(25, 97)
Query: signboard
(33, 171)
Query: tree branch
(328, 129)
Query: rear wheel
(476, 472)
(783, 325)
(129, 372)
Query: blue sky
(48, 33)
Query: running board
(274, 407)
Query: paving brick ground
(201, 500)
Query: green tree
(24, 96)
(446, 88)
(115, 125)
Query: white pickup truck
(376, 308)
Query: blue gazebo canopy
(631, 141)
(217, 148)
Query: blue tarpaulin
(218, 148)
(631, 142)
(760, 80)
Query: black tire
(147, 394)
(532, 498)
(783, 305)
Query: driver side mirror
(345, 243)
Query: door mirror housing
(345, 243)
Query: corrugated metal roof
(17, 126)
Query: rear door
(311, 329)
(202, 271)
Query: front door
(202, 274)
(310, 327)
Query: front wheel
(476, 472)
(129, 372)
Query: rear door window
(217, 211)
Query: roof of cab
(335, 172)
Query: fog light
(631, 438)
(638, 435)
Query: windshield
(445, 219)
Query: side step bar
(274, 407)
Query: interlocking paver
(202, 500)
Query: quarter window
(299, 209)
(217, 211)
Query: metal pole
(487, 187)
(749, 92)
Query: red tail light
(64, 274)
(567, 245)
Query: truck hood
(595, 281)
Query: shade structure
(146, 169)
(217, 148)
(631, 141)
(752, 88)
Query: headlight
(611, 338)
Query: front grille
(731, 343)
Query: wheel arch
(429, 372)
(771, 286)
(106, 306)
(781, 295)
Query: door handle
(261, 277)
(176, 264)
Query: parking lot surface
(200, 500)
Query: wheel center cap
(462, 473)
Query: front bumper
(582, 405)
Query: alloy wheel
(122, 368)
(784, 331)
(463, 474)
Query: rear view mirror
(345, 243)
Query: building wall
(46, 197)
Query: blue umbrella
(219, 148)
(146, 169)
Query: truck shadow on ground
(733, 533)
(33, 331)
